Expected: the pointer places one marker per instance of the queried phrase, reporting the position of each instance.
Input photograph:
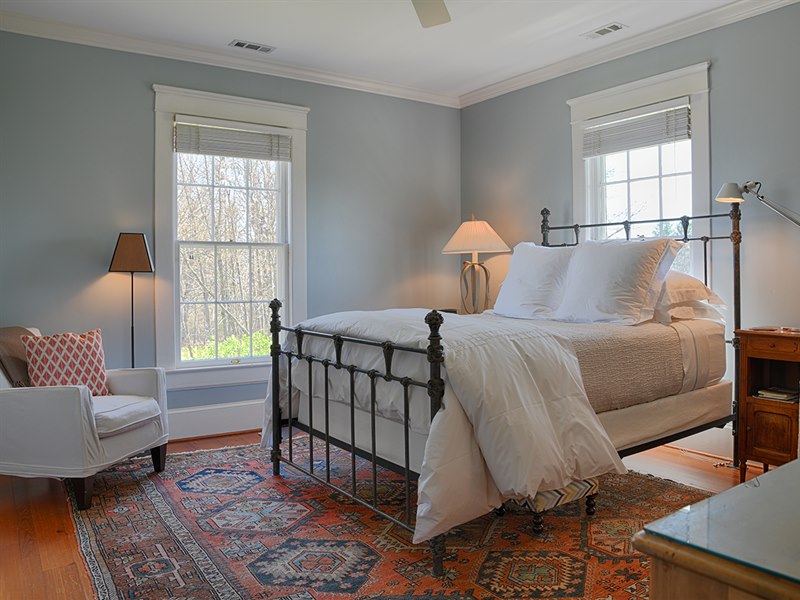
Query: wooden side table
(768, 429)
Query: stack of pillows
(611, 281)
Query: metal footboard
(434, 386)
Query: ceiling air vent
(251, 46)
(603, 31)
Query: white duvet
(515, 421)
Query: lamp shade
(131, 254)
(730, 192)
(475, 236)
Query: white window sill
(191, 378)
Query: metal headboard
(735, 216)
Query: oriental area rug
(217, 525)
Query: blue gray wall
(388, 179)
(516, 149)
(76, 168)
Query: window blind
(660, 127)
(223, 140)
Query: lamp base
(474, 287)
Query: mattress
(621, 365)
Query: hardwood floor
(39, 557)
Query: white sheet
(530, 430)
(626, 427)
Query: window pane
(230, 171)
(196, 265)
(264, 174)
(264, 216)
(676, 157)
(194, 213)
(260, 325)
(644, 205)
(233, 330)
(266, 267)
(683, 260)
(617, 202)
(616, 166)
(233, 274)
(193, 168)
(197, 325)
(677, 194)
(230, 215)
(644, 162)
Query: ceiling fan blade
(431, 12)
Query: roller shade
(661, 127)
(221, 140)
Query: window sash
(596, 187)
(217, 301)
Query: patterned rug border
(101, 579)
(90, 564)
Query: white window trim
(691, 81)
(170, 101)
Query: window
(640, 152)
(230, 231)
(231, 194)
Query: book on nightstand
(776, 393)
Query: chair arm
(150, 381)
(44, 429)
(147, 381)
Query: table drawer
(773, 344)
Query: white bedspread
(516, 419)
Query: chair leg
(84, 489)
(159, 455)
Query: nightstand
(767, 427)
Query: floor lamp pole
(133, 355)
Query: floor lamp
(473, 237)
(131, 255)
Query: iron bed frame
(434, 386)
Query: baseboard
(713, 442)
(215, 419)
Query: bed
(487, 408)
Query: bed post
(545, 227)
(434, 321)
(736, 239)
(275, 353)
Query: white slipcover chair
(65, 432)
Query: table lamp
(473, 237)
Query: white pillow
(534, 286)
(616, 281)
(680, 287)
(693, 309)
(686, 297)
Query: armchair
(65, 432)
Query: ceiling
(490, 47)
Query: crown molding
(737, 11)
(54, 30)
(725, 15)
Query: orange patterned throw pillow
(67, 359)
